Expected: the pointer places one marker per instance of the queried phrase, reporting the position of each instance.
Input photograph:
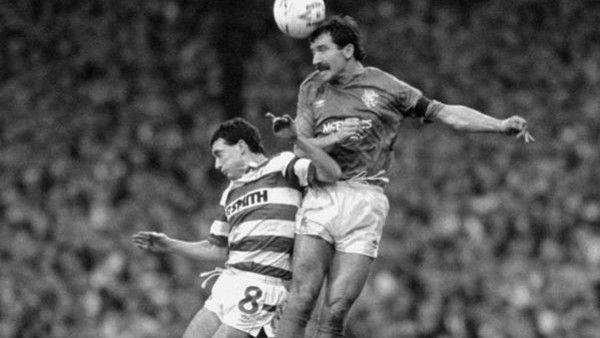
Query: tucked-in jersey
(375, 97)
(259, 210)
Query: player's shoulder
(311, 84)
(377, 74)
(377, 77)
(283, 156)
(282, 159)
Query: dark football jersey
(375, 97)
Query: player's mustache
(322, 66)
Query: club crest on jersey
(370, 98)
(250, 199)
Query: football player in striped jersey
(255, 230)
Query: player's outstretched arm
(468, 119)
(327, 170)
(159, 242)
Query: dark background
(106, 107)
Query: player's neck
(353, 68)
(254, 160)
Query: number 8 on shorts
(249, 304)
(246, 302)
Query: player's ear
(348, 51)
(241, 146)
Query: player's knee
(333, 318)
(298, 307)
(335, 312)
(303, 298)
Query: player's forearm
(327, 170)
(467, 119)
(324, 142)
(202, 250)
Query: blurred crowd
(105, 113)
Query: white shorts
(348, 214)
(246, 301)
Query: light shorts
(348, 214)
(246, 301)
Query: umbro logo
(319, 103)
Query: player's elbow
(459, 125)
(217, 253)
(299, 152)
(331, 175)
(337, 174)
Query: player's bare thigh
(347, 276)
(311, 259)
(226, 331)
(204, 325)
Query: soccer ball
(298, 18)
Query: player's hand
(283, 127)
(350, 130)
(152, 241)
(516, 125)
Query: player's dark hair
(236, 129)
(343, 31)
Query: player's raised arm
(327, 170)
(468, 119)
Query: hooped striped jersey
(258, 215)
(379, 100)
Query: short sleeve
(219, 232)
(412, 103)
(299, 171)
(305, 171)
(405, 97)
(430, 110)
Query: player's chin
(326, 75)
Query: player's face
(228, 159)
(328, 58)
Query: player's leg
(226, 331)
(347, 276)
(357, 233)
(313, 323)
(310, 263)
(204, 324)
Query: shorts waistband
(377, 179)
(376, 184)
(257, 276)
